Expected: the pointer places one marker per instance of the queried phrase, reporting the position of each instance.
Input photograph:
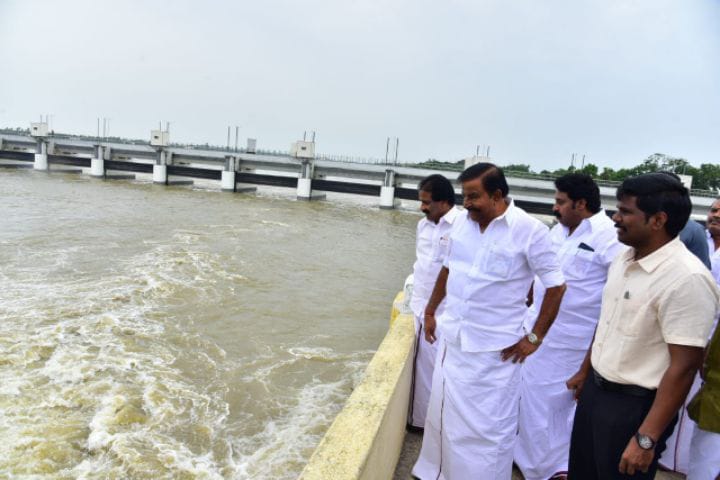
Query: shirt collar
(652, 261)
(596, 220)
(450, 216)
(592, 223)
(510, 213)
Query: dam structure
(300, 169)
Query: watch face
(532, 338)
(645, 442)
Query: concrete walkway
(411, 450)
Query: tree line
(705, 177)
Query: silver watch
(645, 442)
(534, 339)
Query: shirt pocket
(580, 263)
(441, 249)
(497, 263)
(634, 310)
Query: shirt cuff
(686, 341)
(552, 279)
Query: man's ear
(496, 196)
(581, 204)
(658, 221)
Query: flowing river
(175, 332)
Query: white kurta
(547, 407)
(472, 416)
(431, 249)
(704, 456)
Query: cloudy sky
(537, 80)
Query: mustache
(557, 215)
(620, 227)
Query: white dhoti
(677, 453)
(424, 363)
(704, 461)
(472, 417)
(547, 409)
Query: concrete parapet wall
(365, 440)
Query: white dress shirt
(430, 251)
(490, 274)
(714, 258)
(584, 257)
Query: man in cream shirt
(658, 306)
(586, 244)
(437, 202)
(493, 256)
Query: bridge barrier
(365, 440)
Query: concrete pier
(387, 191)
(304, 184)
(160, 168)
(41, 157)
(227, 179)
(97, 162)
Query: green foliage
(517, 167)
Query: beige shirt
(667, 297)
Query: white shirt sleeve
(446, 260)
(542, 258)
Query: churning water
(160, 332)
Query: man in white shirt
(437, 202)
(658, 306)
(586, 244)
(471, 422)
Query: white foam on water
(90, 385)
(106, 372)
(281, 448)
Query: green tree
(517, 167)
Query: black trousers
(604, 424)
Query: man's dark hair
(439, 187)
(658, 192)
(493, 177)
(580, 186)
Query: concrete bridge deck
(533, 194)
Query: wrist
(646, 442)
(534, 339)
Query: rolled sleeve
(446, 260)
(542, 258)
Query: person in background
(704, 409)
(658, 307)
(677, 456)
(713, 239)
(437, 202)
(493, 256)
(586, 243)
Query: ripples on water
(152, 332)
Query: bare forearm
(671, 393)
(438, 293)
(548, 310)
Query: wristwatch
(534, 339)
(645, 442)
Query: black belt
(634, 390)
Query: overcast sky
(536, 80)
